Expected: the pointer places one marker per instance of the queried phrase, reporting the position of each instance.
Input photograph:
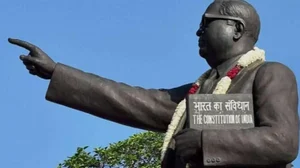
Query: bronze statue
(228, 31)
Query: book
(220, 111)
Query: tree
(140, 150)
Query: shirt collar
(223, 68)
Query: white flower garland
(223, 85)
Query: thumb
(28, 59)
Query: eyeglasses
(207, 17)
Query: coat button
(213, 160)
(208, 160)
(218, 159)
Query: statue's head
(228, 28)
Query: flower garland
(222, 87)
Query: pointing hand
(37, 62)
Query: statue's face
(215, 34)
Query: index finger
(22, 43)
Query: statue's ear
(239, 31)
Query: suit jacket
(273, 143)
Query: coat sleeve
(149, 109)
(274, 140)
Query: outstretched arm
(149, 109)
(274, 140)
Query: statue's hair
(244, 10)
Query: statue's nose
(199, 32)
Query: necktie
(209, 82)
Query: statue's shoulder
(274, 69)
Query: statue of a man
(228, 33)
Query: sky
(144, 43)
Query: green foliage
(140, 150)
